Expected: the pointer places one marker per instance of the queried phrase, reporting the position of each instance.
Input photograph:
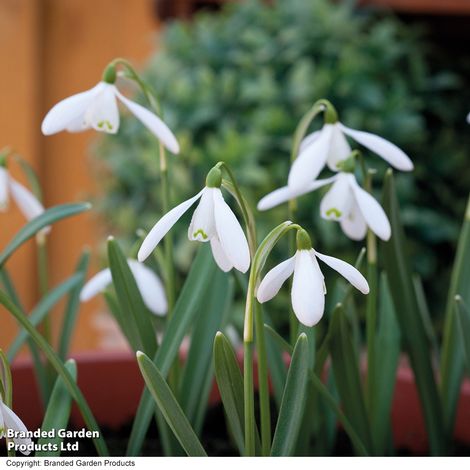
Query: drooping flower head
(148, 283)
(97, 109)
(27, 202)
(308, 285)
(345, 202)
(213, 221)
(329, 146)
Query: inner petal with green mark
(105, 123)
(333, 212)
(201, 233)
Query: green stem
(265, 411)
(41, 241)
(249, 399)
(371, 307)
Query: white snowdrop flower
(97, 108)
(308, 286)
(213, 221)
(148, 283)
(9, 420)
(329, 146)
(26, 201)
(345, 202)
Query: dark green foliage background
(233, 86)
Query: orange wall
(50, 49)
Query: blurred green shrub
(234, 85)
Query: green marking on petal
(200, 232)
(106, 123)
(333, 212)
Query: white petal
(372, 211)
(68, 110)
(27, 202)
(153, 123)
(274, 279)
(220, 257)
(347, 271)
(308, 140)
(310, 162)
(231, 235)
(79, 124)
(337, 202)
(354, 224)
(103, 112)
(308, 298)
(150, 287)
(285, 193)
(13, 422)
(96, 285)
(202, 226)
(339, 148)
(382, 147)
(4, 180)
(160, 229)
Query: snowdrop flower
(213, 221)
(9, 420)
(149, 284)
(97, 108)
(308, 286)
(329, 146)
(345, 202)
(26, 201)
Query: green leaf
(42, 309)
(55, 361)
(396, 261)
(452, 356)
(463, 320)
(72, 307)
(195, 290)
(48, 217)
(58, 412)
(135, 315)
(387, 352)
(230, 383)
(170, 407)
(347, 377)
(293, 401)
(197, 377)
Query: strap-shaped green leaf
(197, 377)
(387, 352)
(135, 315)
(48, 217)
(452, 356)
(293, 401)
(55, 361)
(58, 413)
(230, 382)
(188, 305)
(42, 309)
(170, 407)
(463, 319)
(347, 377)
(396, 261)
(72, 307)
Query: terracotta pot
(112, 384)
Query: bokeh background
(234, 79)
